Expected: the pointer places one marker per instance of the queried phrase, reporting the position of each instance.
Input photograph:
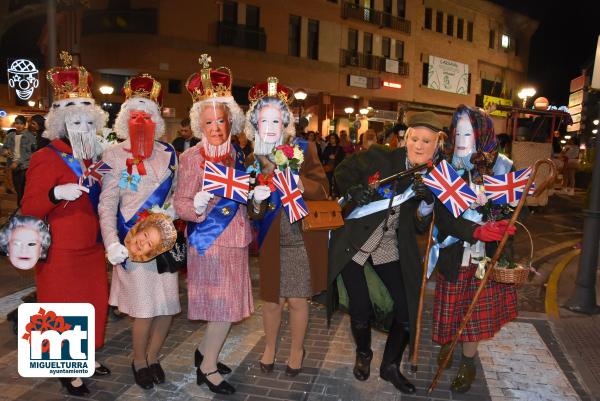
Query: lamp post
(526, 93)
(106, 90)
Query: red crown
(209, 82)
(270, 88)
(68, 81)
(145, 86)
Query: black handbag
(174, 259)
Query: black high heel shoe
(143, 377)
(266, 367)
(101, 370)
(158, 374)
(221, 367)
(291, 372)
(222, 388)
(78, 391)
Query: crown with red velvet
(69, 81)
(270, 88)
(143, 86)
(209, 82)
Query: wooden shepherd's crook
(415, 353)
(494, 260)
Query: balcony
(241, 36)
(354, 59)
(375, 17)
(125, 21)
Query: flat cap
(426, 119)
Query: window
(459, 28)
(352, 40)
(387, 6)
(174, 86)
(230, 12)
(439, 22)
(294, 36)
(386, 47)
(469, 31)
(252, 16)
(450, 25)
(428, 18)
(425, 78)
(401, 8)
(400, 50)
(313, 39)
(505, 42)
(492, 39)
(368, 43)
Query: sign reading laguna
(56, 340)
(448, 75)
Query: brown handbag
(322, 215)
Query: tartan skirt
(497, 305)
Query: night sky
(564, 43)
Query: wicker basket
(518, 275)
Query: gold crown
(68, 81)
(209, 82)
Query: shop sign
(489, 102)
(357, 81)
(447, 75)
(573, 127)
(392, 66)
(23, 78)
(577, 83)
(390, 84)
(576, 98)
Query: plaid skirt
(497, 305)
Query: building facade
(390, 57)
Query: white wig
(55, 120)
(121, 126)
(251, 129)
(236, 115)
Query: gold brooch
(271, 206)
(225, 211)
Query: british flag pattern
(95, 173)
(226, 182)
(507, 188)
(291, 197)
(450, 188)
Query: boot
(362, 336)
(465, 375)
(395, 345)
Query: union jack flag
(94, 173)
(291, 197)
(450, 189)
(507, 188)
(226, 182)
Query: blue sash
(73, 164)
(502, 166)
(274, 201)
(158, 197)
(202, 235)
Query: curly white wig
(251, 128)
(236, 115)
(55, 120)
(29, 222)
(121, 126)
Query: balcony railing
(375, 17)
(241, 36)
(350, 58)
(126, 21)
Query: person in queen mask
(292, 267)
(219, 288)
(142, 178)
(75, 269)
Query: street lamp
(300, 95)
(524, 94)
(106, 90)
(364, 111)
(596, 122)
(31, 103)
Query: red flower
(143, 215)
(287, 150)
(266, 180)
(374, 178)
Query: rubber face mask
(421, 145)
(81, 131)
(24, 247)
(270, 124)
(464, 141)
(141, 134)
(214, 121)
(144, 243)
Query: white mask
(81, 131)
(464, 141)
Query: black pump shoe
(221, 367)
(143, 377)
(266, 367)
(362, 366)
(158, 374)
(222, 388)
(291, 372)
(78, 391)
(391, 373)
(101, 370)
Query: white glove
(201, 200)
(261, 192)
(116, 253)
(69, 192)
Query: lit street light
(106, 90)
(596, 122)
(595, 131)
(524, 94)
(31, 103)
(364, 111)
(300, 95)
